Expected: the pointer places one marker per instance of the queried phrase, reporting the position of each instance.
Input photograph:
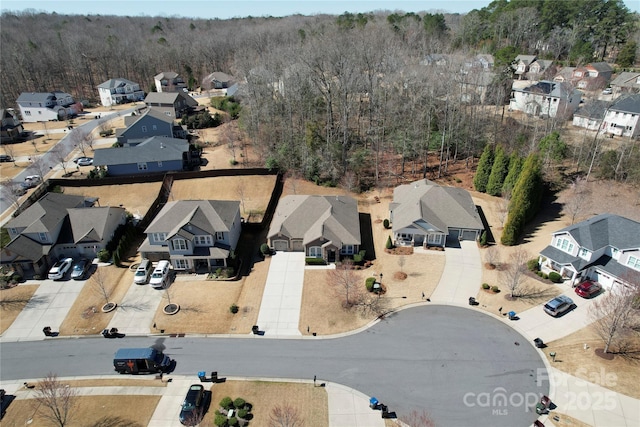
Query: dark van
(140, 361)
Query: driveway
(280, 308)
(462, 274)
(47, 307)
(135, 314)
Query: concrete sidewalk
(462, 275)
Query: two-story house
(172, 104)
(546, 98)
(219, 82)
(593, 76)
(169, 81)
(626, 82)
(325, 227)
(621, 118)
(47, 106)
(151, 122)
(605, 248)
(12, 129)
(541, 69)
(58, 226)
(521, 65)
(119, 91)
(194, 234)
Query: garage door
(604, 279)
(297, 245)
(468, 235)
(280, 245)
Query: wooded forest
(343, 99)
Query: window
(167, 113)
(154, 127)
(564, 244)
(315, 252)
(144, 128)
(13, 231)
(27, 113)
(583, 253)
(159, 164)
(142, 166)
(435, 238)
(633, 262)
(347, 249)
(179, 244)
(159, 237)
(219, 235)
(42, 237)
(203, 240)
(181, 264)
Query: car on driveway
(5, 158)
(60, 268)
(84, 161)
(160, 275)
(191, 412)
(559, 305)
(80, 269)
(588, 289)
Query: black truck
(140, 361)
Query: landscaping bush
(220, 420)
(265, 249)
(16, 278)
(389, 244)
(540, 273)
(369, 283)
(233, 309)
(545, 276)
(104, 255)
(239, 402)
(233, 421)
(314, 261)
(226, 403)
(555, 277)
(495, 289)
(485, 286)
(533, 265)
(483, 239)
(385, 223)
(242, 413)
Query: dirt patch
(400, 275)
(310, 402)
(12, 301)
(135, 198)
(400, 250)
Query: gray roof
(627, 79)
(442, 207)
(527, 59)
(627, 104)
(154, 149)
(605, 230)
(117, 82)
(593, 109)
(546, 87)
(310, 218)
(91, 225)
(40, 96)
(218, 76)
(45, 214)
(601, 67)
(150, 112)
(166, 75)
(168, 98)
(563, 258)
(206, 215)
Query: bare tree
(349, 181)
(60, 158)
(241, 195)
(83, 140)
(100, 284)
(577, 199)
(492, 257)
(418, 419)
(104, 127)
(401, 262)
(502, 206)
(344, 281)
(513, 275)
(58, 400)
(616, 316)
(38, 167)
(10, 150)
(13, 191)
(285, 415)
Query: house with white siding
(621, 118)
(119, 91)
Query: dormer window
(634, 262)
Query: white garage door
(604, 279)
(468, 235)
(281, 245)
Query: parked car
(142, 272)
(588, 289)
(558, 305)
(5, 158)
(191, 413)
(80, 269)
(31, 181)
(160, 275)
(60, 268)
(607, 91)
(84, 161)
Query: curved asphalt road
(453, 362)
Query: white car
(607, 91)
(60, 268)
(84, 161)
(160, 275)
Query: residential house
(172, 104)
(565, 75)
(521, 65)
(593, 76)
(484, 61)
(91, 230)
(47, 106)
(169, 81)
(194, 234)
(157, 154)
(590, 114)
(221, 83)
(626, 82)
(326, 227)
(621, 118)
(475, 86)
(604, 248)
(424, 213)
(11, 130)
(151, 122)
(546, 98)
(541, 69)
(36, 233)
(119, 91)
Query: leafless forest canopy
(330, 98)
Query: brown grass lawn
(310, 402)
(135, 198)
(91, 411)
(565, 420)
(85, 316)
(12, 301)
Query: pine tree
(515, 166)
(498, 172)
(484, 169)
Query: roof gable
(45, 214)
(605, 230)
(206, 215)
(154, 149)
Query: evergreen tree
(515, 166)
(484, 169)
(498, 172)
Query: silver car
(558, 305)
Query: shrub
(226, 403)
(357, 259)
(533, 265)
(265, 249)
(545, 276)
(540, 273)
(369, 283)
(233, 309)
(389, 244)
(220, 420)
(483, 239)
(495, 289)
(314, 261)
(233, 162)
(233, 421)
(385, 223)
(485, 286)
(16, 278)
(242, 413)
(104, 255)
(239, 402)
(555, 277)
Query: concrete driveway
(48, 306)
(462, 274)
(280, 308)
(135, 314)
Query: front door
(331, 255)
